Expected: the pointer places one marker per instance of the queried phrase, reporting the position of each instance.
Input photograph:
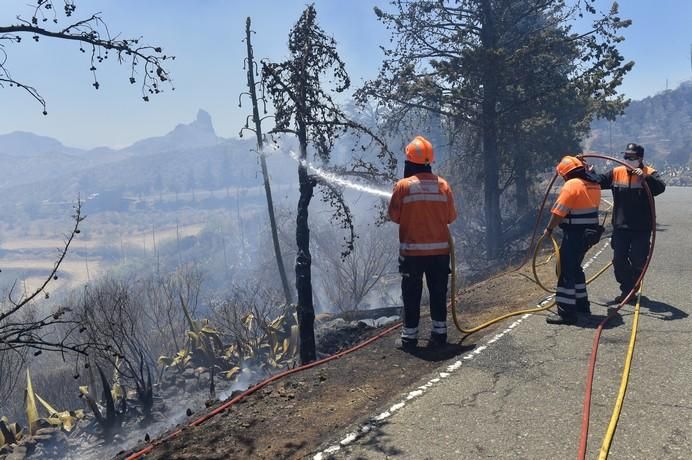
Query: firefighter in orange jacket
(576, 212)
(423, 206)
(631, 216)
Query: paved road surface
(521, 397)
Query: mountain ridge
(661, 123)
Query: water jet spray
(335, 179)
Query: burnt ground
(291, 417)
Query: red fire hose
(259, 386)
(594, 349)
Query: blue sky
(205, 36)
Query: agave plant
(258, 342)
(32, 417)
(9, 432)
(65, 419)
(202, 349)
(274, 344)
(111, 421)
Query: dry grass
(33, 254)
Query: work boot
(560, 319)
(407, 345)
(584, 308)
(437, 340)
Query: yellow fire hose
(556, 253)
(607, 441)
(514, 313)
(610, 432)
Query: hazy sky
(205, 36)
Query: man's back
(578, 203)
(423, 206)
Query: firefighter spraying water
(423, 206)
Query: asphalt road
(519, 395)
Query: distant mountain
(190, 157)
(661, 123)
(21, 143)
(33, 158)
(199, 133)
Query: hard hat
(634, 149)
(420, 151)
(568, 164)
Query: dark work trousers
(630, 249)
(571, 285)
(436, 270)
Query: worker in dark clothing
(576, 212)
(423, 206)
(631, 216)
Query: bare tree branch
(93, 33)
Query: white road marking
(353, 436)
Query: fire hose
(605, 447)
(537, 280)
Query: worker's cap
(420, 151)
(634, 149)
(568, 164)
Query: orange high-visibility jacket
(423, 206)
(632, 210)
(578, 204)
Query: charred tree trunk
(263, 164)
(491, 162)
(305, 309)
(522, 184)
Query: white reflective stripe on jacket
(423, 246)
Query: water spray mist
(334, 179)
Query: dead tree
(304, 107)
(300, 104)
(347, 281)
(252, 92)
(24, 328)
(111, 314)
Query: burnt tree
(257, 121)
(304, 108)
